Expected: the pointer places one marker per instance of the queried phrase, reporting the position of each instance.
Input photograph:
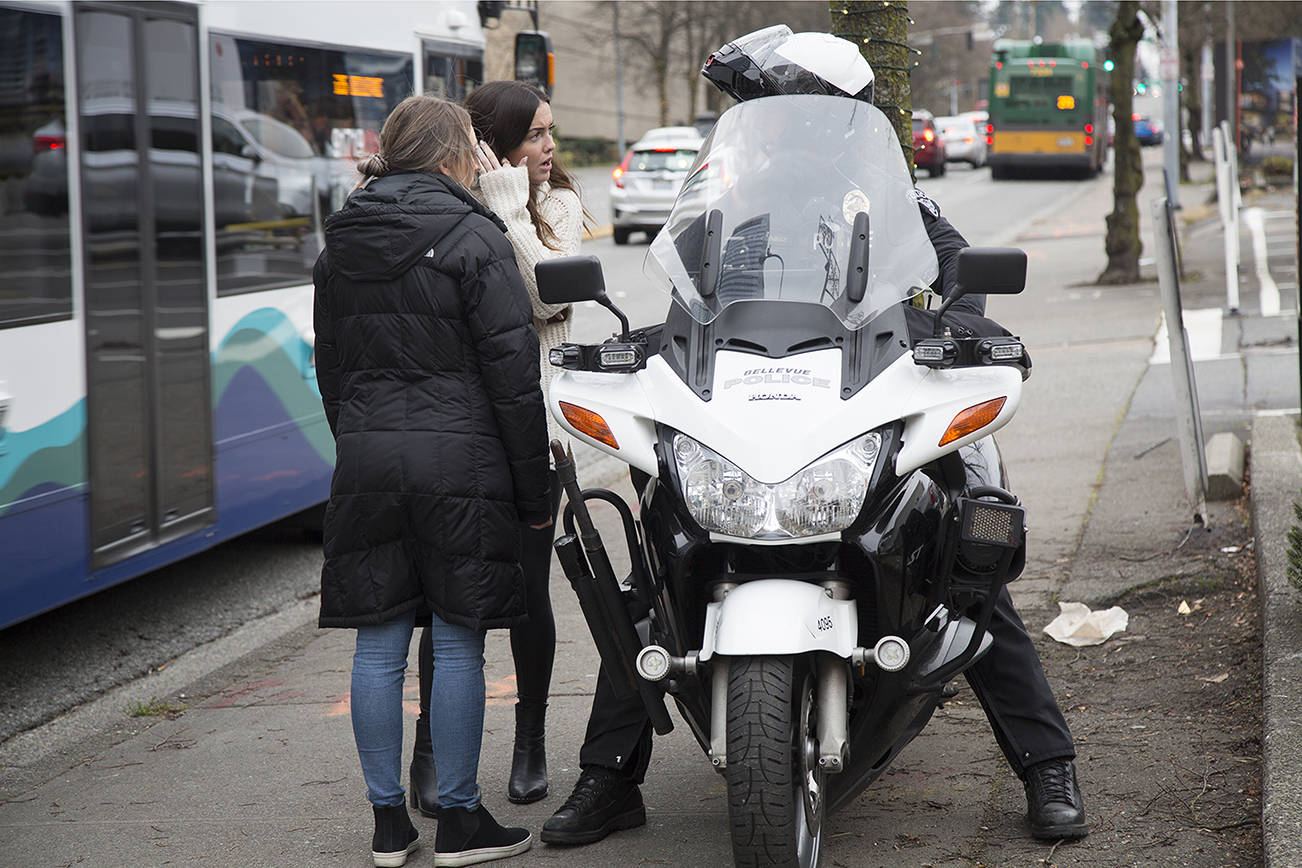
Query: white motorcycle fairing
(779, 616)
(793, 402)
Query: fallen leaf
(1183, 608)
(1214, 679)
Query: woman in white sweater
(521, 181)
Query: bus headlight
(824, 497)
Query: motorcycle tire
(776, 791)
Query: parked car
(963, 142)
(928, 149)
(643, 187)
(1148, 132)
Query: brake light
(664, 150)
(1089, 140)
(617, 176)
(40, 144)
(990, 134)
(1089, 129)
(928, 136)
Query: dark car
(1146, 131)
(928, 149)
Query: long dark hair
(502, 112)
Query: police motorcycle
(816, 564)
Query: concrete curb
(1276, 462)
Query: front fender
(779, 616)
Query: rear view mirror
(568, 279)
(991, 270)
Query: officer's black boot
(529, 760)
(1054, 807)
(424, 789)
(603, 801)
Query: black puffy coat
(428, 366)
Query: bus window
(452, 71)
(34, 239)
(289, 123)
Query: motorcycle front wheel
(776, 794)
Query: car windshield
(783, 179)
(662, 159)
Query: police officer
(1008, 681)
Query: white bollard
(1225, 200)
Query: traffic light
(1107, 65)
(490, 10)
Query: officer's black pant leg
(619, 733)
(1010, 684)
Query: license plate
(659, 184)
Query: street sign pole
(1170, 68)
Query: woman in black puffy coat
(427, 362)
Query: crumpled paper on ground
(1076, 625)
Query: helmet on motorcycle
(774, 61)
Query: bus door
(146, 300)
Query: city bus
(1048, 108)
(164, 171)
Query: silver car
(644, 186)
(964, 143)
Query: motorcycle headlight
(824, 497)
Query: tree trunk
(1122, 243)
(881, 30)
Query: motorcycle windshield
(781, 180)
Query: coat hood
(385, 228)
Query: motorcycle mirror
(568, 279)
(991, 270)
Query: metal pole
(1171, 97)
(1231, 77)
(619, 91)
(1186, 412)
(1206, 83)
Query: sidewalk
(260, 767)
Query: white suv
(644, 186)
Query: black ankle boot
(424, 789)
(467, 837)
(603, 801)
(1054, 807)
(529, 760)
(395, 837)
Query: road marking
(1255, 220)
(1270, 293)
(1203, 329)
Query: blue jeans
(456, 709)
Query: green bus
(1048, 108)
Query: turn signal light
(618, 175)
(594, 426)
(972, 419)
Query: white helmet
(775, 61)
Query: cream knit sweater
(506, 192)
